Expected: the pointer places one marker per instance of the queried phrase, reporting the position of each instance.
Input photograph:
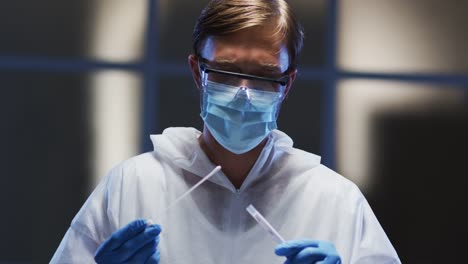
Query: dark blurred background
(381, 95)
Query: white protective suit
(297, 195)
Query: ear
(193, 64)
(292, 77)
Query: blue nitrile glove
(133, 243)
(308, 252)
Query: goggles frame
(283, 80)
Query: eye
(268, 86)
(223, 78)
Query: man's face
(251, 51)
(226, 60)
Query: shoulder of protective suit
(314, 174)
(339, 185)
(135, 168)
(334, 176)
(304, 157)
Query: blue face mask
(239, 118)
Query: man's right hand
(134, 243)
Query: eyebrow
(265, 66)
(271, 67)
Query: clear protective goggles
(241, 80)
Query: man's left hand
(308, 252)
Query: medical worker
(244, 65)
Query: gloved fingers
(154, 259)
(125, 233)
(143, 253)
(105, 253)
(331, 259)
(105, 257)
(132, 246)
(308, 255)
(292, 247)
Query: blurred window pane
(178, 104)
(176, 20)
(300, 115)
(52, 142)
(312, 16)
(104, 29)
(401, 36)
(360, 101)
(116, 105)
(405, 145)
(44, 159)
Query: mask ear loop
(204, 79)
(203, 75)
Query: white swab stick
(213, 172)
(264, 223)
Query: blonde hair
(223, 17)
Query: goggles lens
(236, 80)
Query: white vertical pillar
(117, 35)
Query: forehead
(252, 47)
